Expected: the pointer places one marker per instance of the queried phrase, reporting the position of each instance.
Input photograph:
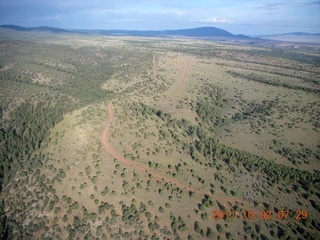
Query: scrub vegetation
(105, 137)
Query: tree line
(273, 82)
(211, 148)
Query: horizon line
(119, 29)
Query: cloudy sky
(251, 17)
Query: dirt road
(156, 176)
(183, 78)
(154, 63)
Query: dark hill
(199, 32)
(203, 32)
(39, 29)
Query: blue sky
(251, 17)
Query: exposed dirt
(183, 78)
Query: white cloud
(180, 13)
(215, 20)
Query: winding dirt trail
(156, 176)
(120, 158)
(183, 77)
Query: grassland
(144, 138)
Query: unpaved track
(154, 63)
(183, 78)
(156, 176)
(120, 158)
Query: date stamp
(262, 214)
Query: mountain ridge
(201, 32)
(29, 29)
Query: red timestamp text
(262, 214)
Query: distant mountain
(202, 32)
(302, 34)
(39, 29)
(199, 32)
(294, 37)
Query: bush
(75, 205)
(61, 174)
(65, 218)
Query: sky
(250, 17)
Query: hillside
(132, 137)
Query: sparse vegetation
(188, 130)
